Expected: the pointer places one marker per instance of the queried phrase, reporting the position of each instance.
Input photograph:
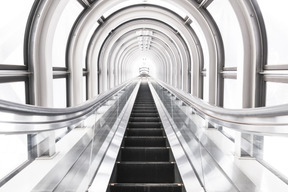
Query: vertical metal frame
(216, 81)
(255, 51)
(255, 57)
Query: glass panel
(60, 133)
(232, 95)
(59, 93)
(275, 17)
(14, 152)
(86, 44)
(229, 27)
(14, 91)
(276, 94)
(64, 26)
(196, 139)
(84, 88)
(101, 125)
(205, 89)
(203, 43)
(274, 153)
(230, 133)
(13, 16)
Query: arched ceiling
(115, 45)
(112, 39)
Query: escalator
(145, 162)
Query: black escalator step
(146, 187)
(139, 102)
(144, 119)
(144, 110)
(145, 154)
(144, 132)
(144, 142)
(134, 114)
(144, 105)
(144, 124)
(131, 172)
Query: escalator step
(144, 125)
(144, 105)
(144, 119)
(146, 187)
(135, 114)
(144, 142)
(145, 172)
(139, 101)
(143, 110)
(144, 132)
(145, 154)
(145, 162)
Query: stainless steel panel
(77, 169)
(19, 118)
(190, 180)
(262, 121)
(102, 177)
(215, 171)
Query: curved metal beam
(156, 13)
(255, 52)
(85, 29)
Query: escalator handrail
(20, 118)
(271, 120)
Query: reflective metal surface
(19, 118)
(215, 170)
(262, 120)
(186, 169)
(103, 174)
(77, 169)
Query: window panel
(232, 95)
(203, 42)
(276, 93)
(59, 93)
(229, 27)
(84, 88)
(13, 91)
(60, 101)
(13, 21)
(64, 26)
(205, 89)
(275, 17)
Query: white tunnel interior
(229, 53)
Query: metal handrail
(18, 118)
(262, 120)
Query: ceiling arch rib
(155, 56)
(166, 54)
(171, 37)
(156, 37)
(170, 49)
(85, 25)
(153, 13)
(126, 53)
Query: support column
(39, 60)
(248, 77)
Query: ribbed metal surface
(145, 162)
